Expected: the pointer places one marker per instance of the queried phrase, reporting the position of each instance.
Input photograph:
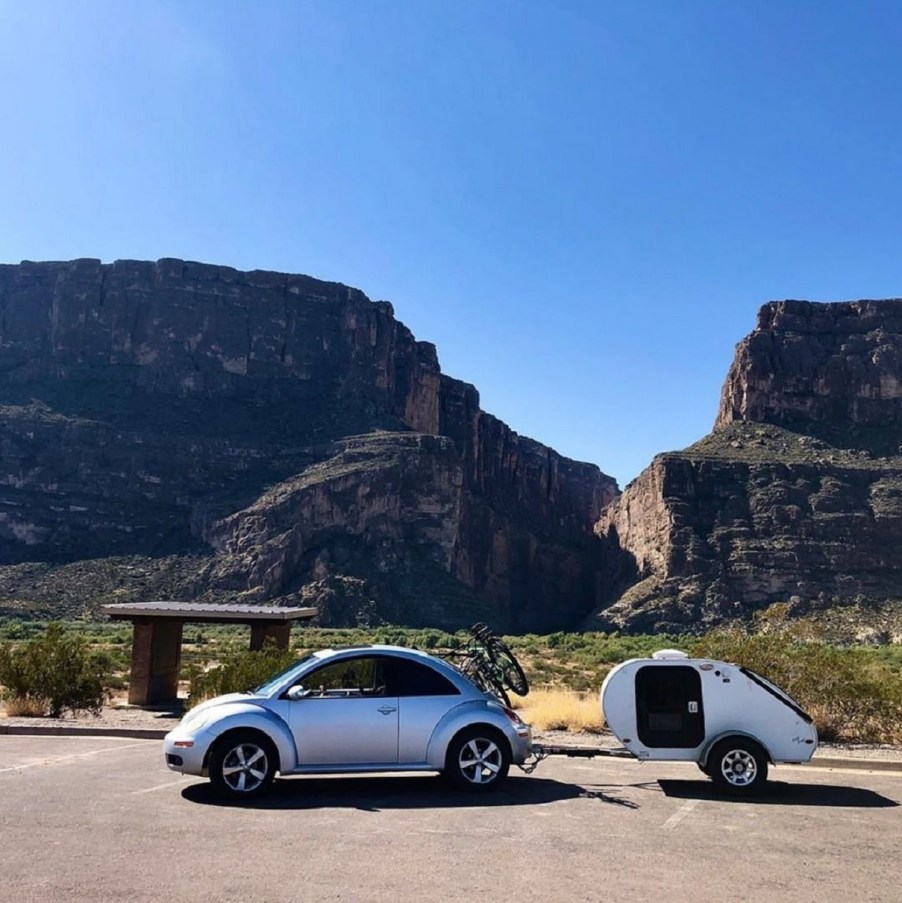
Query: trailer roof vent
(669, 653)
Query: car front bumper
(184, 752)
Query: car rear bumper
(521, 745)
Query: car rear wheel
(478, 760)
(242, 765)
(738, 766)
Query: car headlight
(194, 720)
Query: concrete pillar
(280, 631)
(156, 657)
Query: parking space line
(53, 761)
(173, 783)
(680, 814)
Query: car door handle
(387, 709)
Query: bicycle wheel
(481, 669)
(513, 675)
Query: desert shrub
(562, 710)
(52, 674)
(850, 697)
(240, 671)
(25, 707)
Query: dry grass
(562, 710)
(25, 707)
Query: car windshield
(276, 680)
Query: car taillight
(512, 715)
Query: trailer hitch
(540, 751)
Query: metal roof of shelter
(201, 611)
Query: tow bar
(541, 751)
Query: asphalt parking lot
(103, 819)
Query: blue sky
(581, 204)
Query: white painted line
(680, 814)
(68, 758)
(190, 777)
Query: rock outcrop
(797, 494)
(192, 431)
(824, 369)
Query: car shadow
(375, 794)
(783, 794)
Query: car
(363, 709)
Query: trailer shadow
(783, 794)
(375, 794)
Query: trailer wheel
(737, 765)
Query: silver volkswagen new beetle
(361, 709)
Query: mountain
(796, 495)
(180, 430)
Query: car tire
(242, 765)
(478, 760)
(737, 765)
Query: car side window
(349, 678)
(408, 678)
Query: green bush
(53, 673)
(241, 671)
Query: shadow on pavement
(374, 794)
(783, 794)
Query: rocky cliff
(795, 497)
(192, 431)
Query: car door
(345, 717)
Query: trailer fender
(723, 735)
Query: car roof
(404, 651)
(433, 661)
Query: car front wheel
(478, 760)
(242, 765)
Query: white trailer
(729, 720)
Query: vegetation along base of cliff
(853, 691)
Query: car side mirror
(297, 692)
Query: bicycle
(488, 661)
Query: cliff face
(830, 369)
(796, 495)
(200, 432)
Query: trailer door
(669, 711)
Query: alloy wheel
(739, 768)
(480, 760)
(245, 768)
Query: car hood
(248, 698)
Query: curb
(55, 731)
(854, 764)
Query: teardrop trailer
(727, 719)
